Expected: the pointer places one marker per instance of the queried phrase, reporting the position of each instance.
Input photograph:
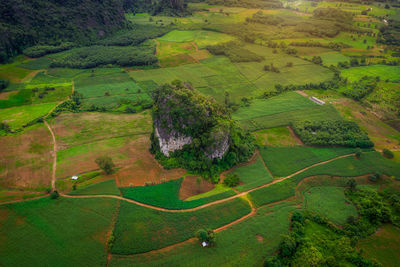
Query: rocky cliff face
(172, 141)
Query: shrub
(207, 236)
(231, 180)
(387, 153)
(351, 184)
(105, 163)
(54, 194)
(358, 153)
(3, 84)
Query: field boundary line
(204, 205)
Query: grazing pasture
(330, 202)
(245, 243)
(252, 175)
(46, 232)
(166, 195)
(134, 234)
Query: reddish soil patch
(302, 13)
(25, 159)
(298, 140)
(190, 187)
(260, 238)
(142, 167)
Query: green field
(62, 232)
(283, 103)
(330, 202)
(370, 162)
(319, 113)
(166, 195)
(245, 244)
(202, 38)
(283, 161)
(102, 188)
(383, 245)
(18, 117)
(252, 175)
(280, 136)
(391, 73)
(134, 234)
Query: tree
(105, 163)
(358, 153)
(288, 246)
(387, 153)
(54, 194)
(231, 180)
(317, 60)
(207, 236)
(352, 184)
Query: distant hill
(24, 23)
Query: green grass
(37, 64)
(383, 246)
(102, 188)
(62, 232)
(283, 161)
(202, 38)
(22, 97)
(282, 103)
(391, 73)
(330, 202)
(245, 244)
(332, 58)
(17, 117)
(280, 136)
(316, 113)
(166, 195)
(218, 189)
(13, 73)
(370, 162)
(140, 229)
(252, 175)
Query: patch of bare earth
(260, 238)
(194, 185)
(6, 95)
(25, 159)
(142, 167)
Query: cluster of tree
(52, 22)
(388, 34)
(331, 45)
(332, 133)
(178, 109)
(316, 60)
(106, 164)
(234, 52)
(260, 17)
(326, 85)
(93, 56)
(41, 50)
(248, 3)
(333, 249)
(207, 236)
(138, 34)
(3, 84)
(231, 180)
(271, 68)
(334, 14)
(157, 7)
(359, 89)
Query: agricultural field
(39, 231)
(330, 202)
(258, 172)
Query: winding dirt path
(176, 210)
(54, 152)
